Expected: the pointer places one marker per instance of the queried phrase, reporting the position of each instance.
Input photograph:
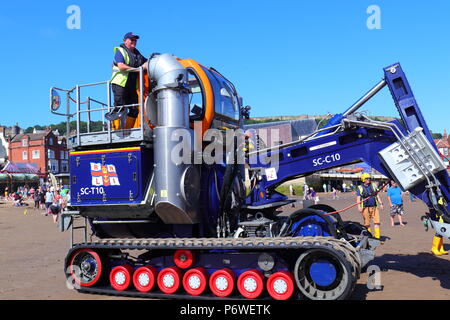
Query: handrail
(92, 84)
(104, 107)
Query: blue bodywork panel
(326, 152)
(311, 226)
(109, 177)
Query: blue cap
(130, 35)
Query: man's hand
(381, 207)
(360, 209)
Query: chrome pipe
(358, 104)
(176, 182)
(92, 84)
(78, 114)
(141, 99)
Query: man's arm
(379, 201)
(124, 67)
(389, 199)
(120, 63)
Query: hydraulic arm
(401, 150)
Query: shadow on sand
(422, 265)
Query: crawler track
(295, 246)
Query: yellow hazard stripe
(104, 151)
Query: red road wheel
(195, 281)
(183, 258)
(251, 284)
(221, 282)
(281, 285)
(169, 280)
(120, 277)
(85, 267)
(144, 278)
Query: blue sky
(284, 57)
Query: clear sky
(284, 57)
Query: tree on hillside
(95, 126)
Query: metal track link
(342, 246)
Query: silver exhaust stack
(177, 184)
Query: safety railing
(93, 107)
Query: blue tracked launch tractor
(168, 222)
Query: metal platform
(108, 137)
(90, 109)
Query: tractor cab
(127, 163)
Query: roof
(33, 136)
(300, 128)
(18, 167)
(303, 127)
(441, 143)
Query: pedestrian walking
(42, 199)
(305, 192)
(335, 196)
(314, 196)
(48, 201)
(37, 198)
(55, 210)
(395, 202)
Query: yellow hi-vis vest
(120, 77)
(361, 192)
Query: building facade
(45, 149)
(5, 134)
(443, 146)
(4, 144)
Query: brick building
(45, 149)
(443, 146)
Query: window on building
(64, 166)
(24, 142)
(53, 166)
(24, 155)
(50, 154)
(36, 154)
(50, 141)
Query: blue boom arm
(348, 139)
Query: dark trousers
(124, 96)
